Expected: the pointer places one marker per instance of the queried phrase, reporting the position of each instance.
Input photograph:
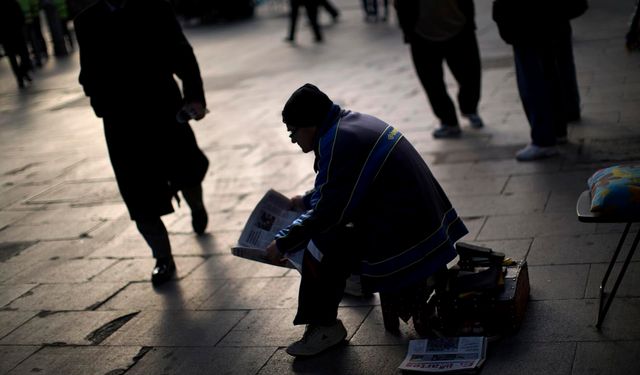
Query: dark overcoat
(128, 58)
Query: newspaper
(446, 355)
(271, 214)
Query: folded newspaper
(450, 355)
(271, 214)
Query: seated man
(375, 210)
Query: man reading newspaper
(375, 210)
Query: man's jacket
(371, 177)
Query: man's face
(304, 137)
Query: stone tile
(474, 225)
(72, 214)
(56, 250)
(474, 186)
(177, 295)
(532, 225)
(10, 269)
(276, 327)
(58, 297)
(558, 282)
(353, 360)
(566, 249)
(9, 293)
(81, 192)
(511, 167)
(203, 361)
(79, 360)
(231, 267)
(574, 320)
(71, 328)
(629, 286)
(561, 202)
(372, 332)
(486, 205)
(10, 217)
(128, 244)
(13, 355)
(607, 358)
(225, 221)
(254, 293)
(212, 242)
(10, 250)
(448, 172)
(137, 269)
(18, 193)
(567, 182)
(10, 320)
(62, 271)
(48, 231)
(176, 328)
(510, 357)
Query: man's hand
(297, 203)
(274, 256)
(194, 110)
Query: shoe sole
(291, 353)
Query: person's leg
(15, 67)
(331, 9)
(293, 19)
(463, 58)
(427, 59)
(199, 217)
(312, 13)
(568, 76)
(155, 234)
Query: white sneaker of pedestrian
(317, 339)
(533, 152)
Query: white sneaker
(317, 339)
(533, 152)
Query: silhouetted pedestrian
(370, 8)
(540, 32)
(439, 31)
(129, 53)
(311, 7)
(330, 8)
(13, 42)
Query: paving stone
(607, 358)
(558, 282)
(10, 269)
(474, 186)
(176, 328)
(231, 266)
(62, 271)
(18, 193)
(566, 249)
(474, 225)
(56, 250)
(213, 242)
(254, 293)
(175, 295)
(486, 205)
(514, 249)
(560, 202)
(58, 297)
(10, 292)
(128, 244)
(10, 320)
(196, 361)
(10, 217)
(629, 286)
(71, 327)
(49, 231)
(276, 328)
(9, 250)
(347, 359)
(225, 221)
(509, 357)
(532, 225)
(137, 269)
(574, 320)
(80, 192)
(372, 332)
(13, 355)
(79, 360)
(72, 214)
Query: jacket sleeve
(334, 194)
(183, 60)
(408, 12)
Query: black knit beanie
(307, 107)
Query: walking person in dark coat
(13, 41)
(129, 52)
(311, 6)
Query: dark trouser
(548, 88)
(155, 233)
(322, 284)
(463, 58)
(329, 8)
(312, 13)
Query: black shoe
(163, 271)
(199, 220)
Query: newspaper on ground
(271, 214)
(446, 355)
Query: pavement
(75, 296)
